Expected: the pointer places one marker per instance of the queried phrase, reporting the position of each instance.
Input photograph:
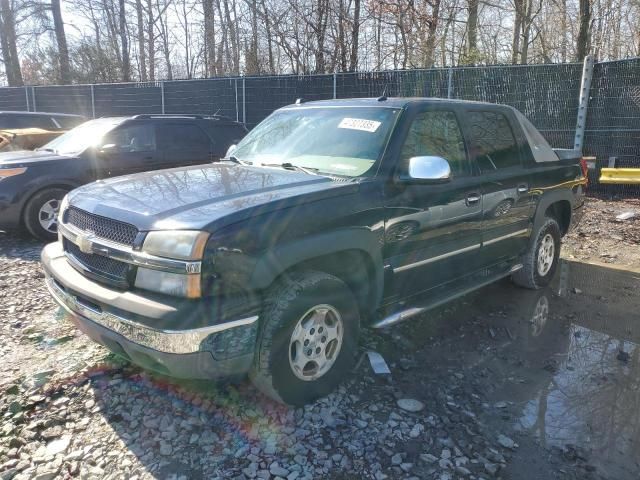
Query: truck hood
(25, 158)
(202, 197)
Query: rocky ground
(462, 380)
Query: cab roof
(390, 102)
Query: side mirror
(107, 148)
(230, 150)
(427, 169)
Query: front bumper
(217, 350)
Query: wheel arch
(352, 255)
(41, 188)
(557, 204)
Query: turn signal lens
(11, 172)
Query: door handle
(523, 188)
(472, 199)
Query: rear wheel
(41, 213)
(541, 261)
(309, 338)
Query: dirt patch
(601, 237)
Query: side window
(33, 121)
(495, 146)
(183, 137)
(132, 138)
(437, 133)
(69, 122)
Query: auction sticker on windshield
(359, 124)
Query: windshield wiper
(233, 159)
(46, 150)
(291, 166)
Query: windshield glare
(337, 141)
(89, 134)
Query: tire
(45, 202)
(534, 275)
(290, 303)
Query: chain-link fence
(547, 94)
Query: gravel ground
(68, 408)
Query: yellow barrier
(620, 176)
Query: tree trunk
(583, 32)
(9, 48)
(472, 31)
(431, 35)
(61, 40)
(267, 26)
(355, 37)
(517, 27)
(151, 41)
(142, 53)
(124, 43)
(209, 38)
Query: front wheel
(41, 213)
(309, 338)
(540, 262)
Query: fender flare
(546, 200)
(275, 261)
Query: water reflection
(593, 397)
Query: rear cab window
(493, 141)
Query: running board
(411, 312)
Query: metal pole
(583, 104)
(162, 95)
(450, 83)
(244, 104)
(93, 103)
(335, 75)
(33, 94)
(237, 109)
(26, 96)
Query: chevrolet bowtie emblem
(85, 243)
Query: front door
(433, 232)
(127, 149)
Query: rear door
(506, 200)
(183, 143)
(433, 232)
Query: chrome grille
(112, 270)
(102, 227)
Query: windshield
(338, 141)
(87, 135)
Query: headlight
(11, 172)
(178, 244)
(177, 284)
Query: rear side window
(493, 140)
(68, 123)
(182, 137)
(27, 121)
(437, 133)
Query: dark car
(329, 217)
(43, 120)
(32, 184)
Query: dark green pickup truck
(327, 218)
